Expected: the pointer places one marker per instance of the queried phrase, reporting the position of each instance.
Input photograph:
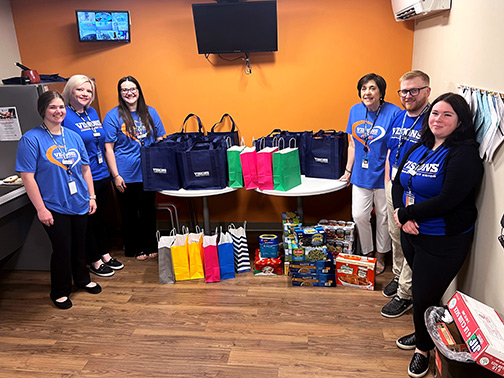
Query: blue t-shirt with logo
(127, 146)
(38, 154)
(86, 125)
(401, 132)
(426, 182)
(358, 126)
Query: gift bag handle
(222, 119)
(200, 125)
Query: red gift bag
(211, 259)
(248, 158)
(265, 168)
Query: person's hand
(396, 218)
(119, 183)
(46, 217)
(92, 206)
(410, 227)
(346, 177)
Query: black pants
(96, 235)
(68, 258)
(435, 261)
(138, 216)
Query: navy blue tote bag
(159, 166)
(233, 134)
(325, 154)
(203, 165)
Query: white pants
(400, 267)
(362, 205)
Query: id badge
(100, 157)
(410, 198)
(67, 161)
(394, 171)
(365, 163)
(142, 136)
(96, 134)
(72, 186)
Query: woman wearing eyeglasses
(129, 126)
(434, 195)
(367, 127)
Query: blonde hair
(416, 73)
(74, 82)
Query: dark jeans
(68, 258)
(435, 261)
(138, 216)
(96, 235)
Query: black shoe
(102, 271)
(391, 289)
(407, 342)
(65, 305)
(114, 264)
(94, 289)
(396, 307)
(419, 365)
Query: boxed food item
(267, 266)
(451, 337)
(290, 220)
(482, 330)
(324, 280)
(316, 267)
(355, 271)
(310, 236)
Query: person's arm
(350, 160)
(88, 177)
(33, 191)
(387, 168)
(112, 165)
(463, 173)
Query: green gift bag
(234, 166)
(286, 169)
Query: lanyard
(368, 132)
(414, 169)
(88, 122)
(139, 131)
(403, 138)
(64, 154)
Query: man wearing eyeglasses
(403, 133)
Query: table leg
(300, 208)
(206, 216)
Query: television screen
(236, 27)
(101, 25)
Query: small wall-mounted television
(103, 25)
(236, 27)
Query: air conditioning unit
(406, 9)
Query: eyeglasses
(412, 91)
(126, 90)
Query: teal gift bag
(286, 168)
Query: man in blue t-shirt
(402, 134)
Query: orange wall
(325, 46)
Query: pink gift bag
(248, 158)
(265, 168)
(211, 259)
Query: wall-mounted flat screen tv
(236, 27)
(103, 25)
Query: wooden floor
(245, 327)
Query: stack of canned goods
(339, 235)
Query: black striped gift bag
(240, 248)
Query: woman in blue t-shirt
(54, 166)
(128, 127)
(79, 93)
(434, 201)
(367, 128)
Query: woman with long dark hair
(434, 197)
(129, 126)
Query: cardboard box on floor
(482, 330)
